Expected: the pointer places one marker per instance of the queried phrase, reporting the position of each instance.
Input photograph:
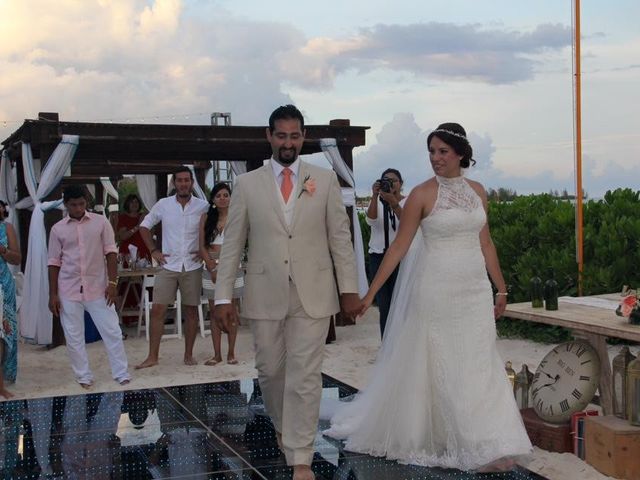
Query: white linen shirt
(180, 231)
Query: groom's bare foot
(303, 472)
(190, 361)
(149, 362)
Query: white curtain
(147, 190)
(197, 190)
(35, 318)
(330, 149)
(9, 193)
(238, 167)
(108, 190)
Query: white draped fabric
(238, 167)
(9, 191)
(147, 190)
(197, 190)
(9, 194)
(330, 149)
(35, 318)
(108, 190)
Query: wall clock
(565, 381)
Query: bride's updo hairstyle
(455, 136)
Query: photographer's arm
(372, 210)
(397, 210)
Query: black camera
(386, 184)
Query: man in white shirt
(179, 257)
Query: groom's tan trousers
(289, 355)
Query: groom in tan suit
(298, 232)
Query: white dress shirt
(180, 231)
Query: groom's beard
(286, 156)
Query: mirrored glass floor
(206, 431)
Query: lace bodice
(457, 216)
(456, 193)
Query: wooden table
(133, 277)
(593, 324)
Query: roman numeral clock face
(565, 381)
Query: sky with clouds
(503, 69)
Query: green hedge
(536, 232)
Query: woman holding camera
(383, 216)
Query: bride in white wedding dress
(438, 394)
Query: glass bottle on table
(551, 292)
(536, 290)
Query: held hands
(350, 304)
(365, 303)
(6, 326)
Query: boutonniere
(308, 185)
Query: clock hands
(555, 380)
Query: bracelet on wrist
(501, 294)
(113, 282)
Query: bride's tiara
(450, 132)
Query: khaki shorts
(168, 282)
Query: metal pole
(578, 146)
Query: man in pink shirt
(79, 280)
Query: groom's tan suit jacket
(307, 251)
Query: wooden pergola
(117, 149)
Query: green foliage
(366, 234)
(537, 232)
(127, 186)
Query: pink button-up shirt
(79, 247)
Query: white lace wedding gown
(438, 394)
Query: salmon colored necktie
(287, 185)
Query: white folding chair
(204, 302)
(145, 308)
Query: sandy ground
(47, 373)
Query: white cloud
(507, 81)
